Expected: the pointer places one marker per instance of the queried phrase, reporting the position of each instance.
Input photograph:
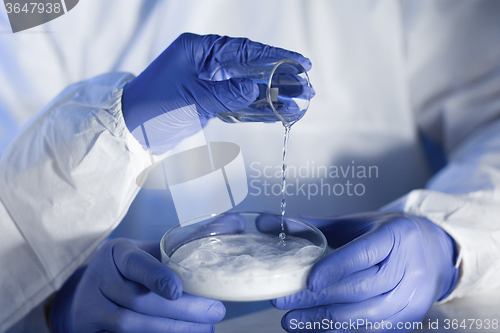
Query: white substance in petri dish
(247, 267)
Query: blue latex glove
(127, 289)
(180, 78)
(387, 266)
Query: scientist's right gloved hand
(388, 268)
(176, 89)
(127, 289)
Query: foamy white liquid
(245, 267)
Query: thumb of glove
(341, 230)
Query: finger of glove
(292, 99)
(287, 106)
(343, 229)
(122, 320)
(224, 224)
(292, 85)
(356, 287)
(338, 231)
(374, 310)
(408, 319)
(231, 223)
(414, 307)
(190, 308)
(141, 267)
(396, 323)
(346, 222)
(227, 95)
(360, 254)
(305, 94)
(214, 51)
(270, 223)
(151, 247)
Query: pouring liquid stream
(282, 235)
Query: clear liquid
(282, 235)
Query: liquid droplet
(282, 235)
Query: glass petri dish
(240, 257)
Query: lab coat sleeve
(464, 199)
(65, 183)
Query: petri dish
(240, 256)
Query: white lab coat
(382, 70)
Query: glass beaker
(284, 91)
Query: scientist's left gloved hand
(127, 289)
(387, 266)
(176, 91)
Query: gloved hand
(179, 80)
(387, 266)
(126, 289)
